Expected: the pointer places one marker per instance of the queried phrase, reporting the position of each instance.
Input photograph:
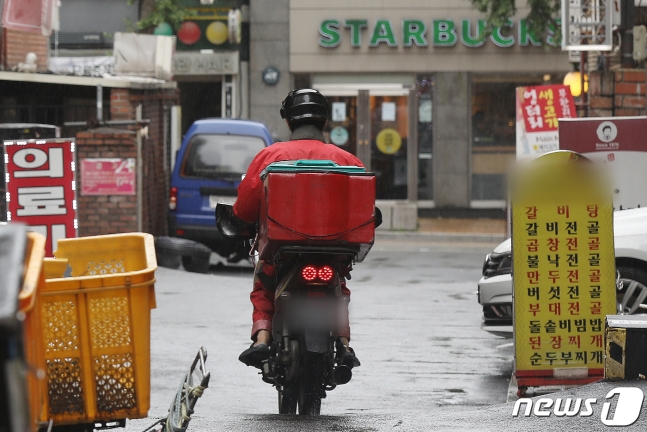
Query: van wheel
(196, 263)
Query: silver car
(630, 238)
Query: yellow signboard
(563, 265)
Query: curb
(430, 237)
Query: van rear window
(220, 157)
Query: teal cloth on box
(305, 165)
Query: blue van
(210, 164)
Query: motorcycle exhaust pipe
(342, 374)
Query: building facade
(418, 90)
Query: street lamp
(574, 81)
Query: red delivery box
(316, 203)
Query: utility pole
(627, 20)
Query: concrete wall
(451, 155)
(269, 47)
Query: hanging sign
(617, 142)
(564, 269)
(41, 187)
(538, 110)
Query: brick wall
(113, 214)
(121, 108)
(19, 43)
(155, 103)
(629, 97)
(105, 214)
(618, 93)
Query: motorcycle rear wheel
(288, 396)
(311, 384)
(289, 393)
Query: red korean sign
(108, 176)
(543, 105)
(538, 110)
(41, 190)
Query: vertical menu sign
(563, 269)
(41, 188)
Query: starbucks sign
(437, 33)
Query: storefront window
(424, 92)
(341, 130)
(389, 136)
(494, 133)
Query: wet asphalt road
(415, 327)
(426, 365)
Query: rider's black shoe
(348, 358)
(254, 355)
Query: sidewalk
(445, 230)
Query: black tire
(289, 393)
(170, 250)
(634, 290)
(311, 384)
(196, 263)
(178, 246)
(288, 397)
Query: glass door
(389, 140)
(374, 126)
(341, 130)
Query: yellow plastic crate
(29, 305)
(96, 329)
(54, 267)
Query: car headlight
(497, 264)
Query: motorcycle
(306, 354)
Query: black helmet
(305, 106)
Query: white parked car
(630, 238)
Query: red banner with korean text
(564, 269)
(538, 111)
(41, 187)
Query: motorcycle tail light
(172, 199)
(309, 273)
(325, 273)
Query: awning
(142, 83)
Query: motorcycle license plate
(215, 199)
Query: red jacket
(250, 190)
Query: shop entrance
(199, 100)
(373, 124)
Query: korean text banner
(564, 265)
(41, 187)
(538, 110)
